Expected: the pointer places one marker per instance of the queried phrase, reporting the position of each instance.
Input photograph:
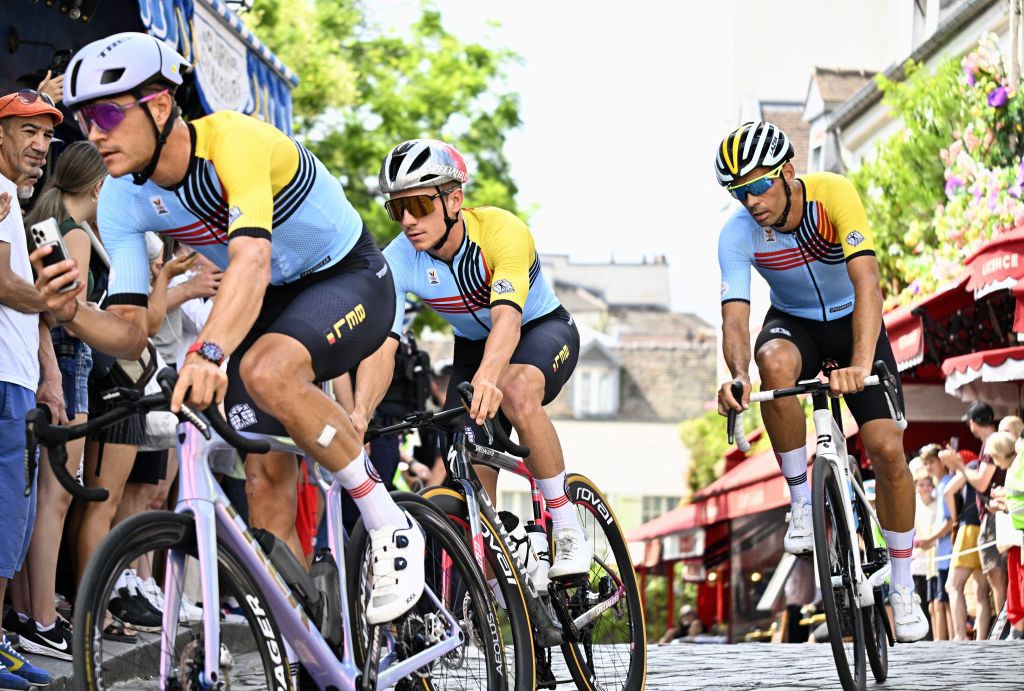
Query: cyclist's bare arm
(867, 322)
(373, 377)
(736, 351)
(506, 323)
(241, 292)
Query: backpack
(410, 384)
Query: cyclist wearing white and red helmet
(478, 268)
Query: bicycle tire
(590, 671)
(453, 504)
(876, 641)
(442, 537)
(135, 537)
(833, 554)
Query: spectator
(1015, 584)
(1012, 425)
(980, 480)
(939, 537)
(70, 197)
(28, 367)
(926, 510)
(682, 628)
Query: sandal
(118, 632)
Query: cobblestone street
(939, 665)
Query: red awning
(998, 264)
(993, 376)
(1018, 313)
(680, 518)
(906, 329)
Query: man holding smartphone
(306, 294)
(28, 366)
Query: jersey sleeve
(253, 160)
(400, 271)
(124, 239)
(509, 254)
(847, 213)
(734, 260)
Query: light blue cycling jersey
(245, 178)
(806, 268)
(496, 264)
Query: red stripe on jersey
(362, 490)
(557, 502)
(901, 553)
(782, 266)
(789, 252)
(825, 227)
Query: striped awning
(234, 70)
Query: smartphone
(60, 61)
(954, 443)
(48, 233)
(191, 254)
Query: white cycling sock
(901, 546)
(362, 482)
(563, 513)
(794, 469)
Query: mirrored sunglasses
(107, 115)
(418, 206)
(757, 186)
(30, 96)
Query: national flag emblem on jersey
(432, 277)
(503, 286)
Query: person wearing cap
(306, 294)
(29, 373)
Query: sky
(623, 105)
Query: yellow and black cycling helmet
(755, 144)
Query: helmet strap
(785, 211)
(449, 222)
(140, 178)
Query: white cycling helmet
(752, 145)
(120, 64)
(421, 163)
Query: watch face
(211, 351)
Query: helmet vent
(74, 78)
(420, 160)
(110, 76)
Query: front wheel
(834, 555)
(875, 618)
(456, 584)
(610, 651)
(136, 549)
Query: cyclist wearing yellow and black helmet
(809, 239)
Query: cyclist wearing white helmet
(477, 268)
(809, 239)
(306, 294)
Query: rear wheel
(451, 575)
(252, 651)
(610, 650)
(833, 553)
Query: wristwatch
(208, 351)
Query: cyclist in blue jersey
(809, 239)
(478, 268)
(305, 294)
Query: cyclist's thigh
(871, 403)
(781, 326)
(552, 345)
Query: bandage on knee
(326, 436)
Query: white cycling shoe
(573, 554)
(799, 538)
(911, 624)
(397, 571)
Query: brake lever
(737, 392)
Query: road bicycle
(296, 633)
(850, 567)
(597, 619)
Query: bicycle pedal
(577, 580)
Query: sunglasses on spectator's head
(757, 186)
(30, 96)
(418, 205)
(108, 115)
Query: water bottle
(539, 542)
(326, 579)
(522, 543)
